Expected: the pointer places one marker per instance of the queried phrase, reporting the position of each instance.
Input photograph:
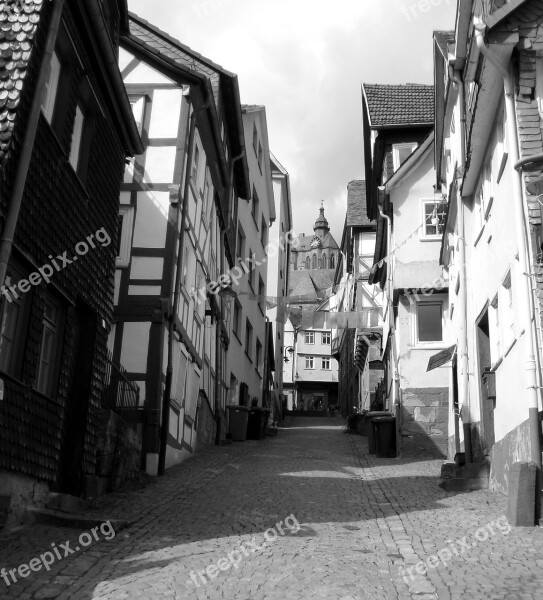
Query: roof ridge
(133, 17)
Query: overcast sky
(305, 60)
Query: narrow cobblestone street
(362, 520)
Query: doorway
(487, 405)
(77, 406)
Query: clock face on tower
(316, 242)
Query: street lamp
(290, 350)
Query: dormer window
(401, 152)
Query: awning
(441, 358)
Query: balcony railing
(121, 395)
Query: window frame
(309, 334)
(328, 335)
(248, 339)
(54, 365)
(50, 93)
(326, 359)
(310, 360)
(396, 153)
(424, 236)
(416, 331)
(122, 260)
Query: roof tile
(408, 104)
(356, 204)
(18, 24)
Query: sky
(305, 60)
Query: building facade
(357, 349)
(310, 381)
(176, 217)
(65, 136)
(398, 138)
(278, 277)
(248, 352)
(488, 159)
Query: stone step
(64, 503)
(468, 484)
(72, 520)
(450, 470)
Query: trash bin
(385, 436)
(237, 422)
(258, 423)
(371, 428)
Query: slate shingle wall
(58, 212)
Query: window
(258, 355)
(12, 336)
(326, 338)
(236, 322)
(325, 364)
(401, 152)
(248, 338)
(126, 221)
(51, 88)
(332, 261)
(507, 313)
(314, 261)
(252, 269)
(434, 214)
(429, 322)
(309, 337)
(255, 207)
(138, 109)
(308, 263)
(77, 134)
(255, 139)
(48, 351)
(195, 164)
(260, 153)
(309, 362)
(240, 245)
(263, 232)
(324, 262)
(261, 294)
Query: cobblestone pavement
(365, 523)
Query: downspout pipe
(525, 311)
(165, 421)
(456, 77)
(390, 304)
(16, 199)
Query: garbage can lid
(383, 419)
(237, 407)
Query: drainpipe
(16, 200)
(395, 378)
(463, 388)
(525, 311)
(164, 430)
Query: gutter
(463, 388)
(16, 200)
(115, 75)
(525, 311)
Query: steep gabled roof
(443, 38)
(224, 84)
(356, 204)
(410, 104)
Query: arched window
(308, 263)
(332, 261)
(314, 261)
(324, 262)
